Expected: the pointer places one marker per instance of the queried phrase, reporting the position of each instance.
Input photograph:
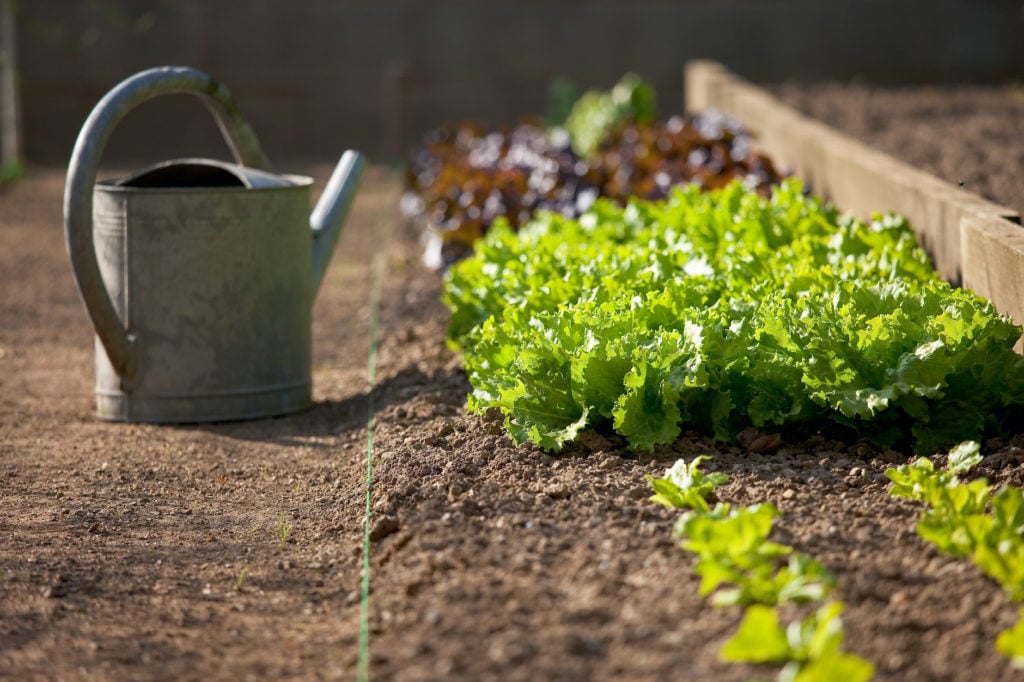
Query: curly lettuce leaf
(596, 112)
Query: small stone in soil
(383, 527)
(766, 443)
(557, 491)
(55, 591)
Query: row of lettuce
(723, 310)
(971, 520)
(739, 565)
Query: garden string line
(363, 665)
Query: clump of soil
(234, 551)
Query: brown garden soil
(234, 551)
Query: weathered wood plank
(993, 257)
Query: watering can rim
(251, 179)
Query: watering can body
(199, 275)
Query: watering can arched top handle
(84, 165)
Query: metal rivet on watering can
(199, 275)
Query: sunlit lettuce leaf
(1010, 643)
(596, 112)
(964, 457)
(759, 639)
(835, 667)
(965, 519)
(809, 647)
(685, 486)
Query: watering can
(199, 275)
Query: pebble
(55, 591)
(557, 491)
(384, 526)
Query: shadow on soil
(335, 417)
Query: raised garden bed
(233, 550)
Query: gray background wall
(317, 76)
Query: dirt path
(156, 552)
(233, 551)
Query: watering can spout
(329, 215)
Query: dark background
(318, 76)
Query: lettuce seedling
(685, 486)
(733, 549)
(741, 566)
(966, 519)
(810, 648)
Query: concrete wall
(317, 76)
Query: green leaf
(836, 667)
(952, 534)
(965, 519)
(916, 481)
(1003, 560)
(964, 457)
(669, 494)
(1008, 511)
(821, 634)
(598, 379)
(734, 554)
(544, 412)
(596, 112)
(685, 486)
(690, 477)
(1010, 643)
(648, 412)
(803, 580)
(759, 639)
(810, 647)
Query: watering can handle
(85, 159)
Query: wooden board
(972, 241)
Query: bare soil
(234, 551)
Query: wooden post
(10, 125)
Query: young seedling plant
(969, 520)
(740, 566)
(243, 575)
(284, 528)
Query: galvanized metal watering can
(199, 275)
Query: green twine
(363, 666)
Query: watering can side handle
(85, 160)
(331, 210)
